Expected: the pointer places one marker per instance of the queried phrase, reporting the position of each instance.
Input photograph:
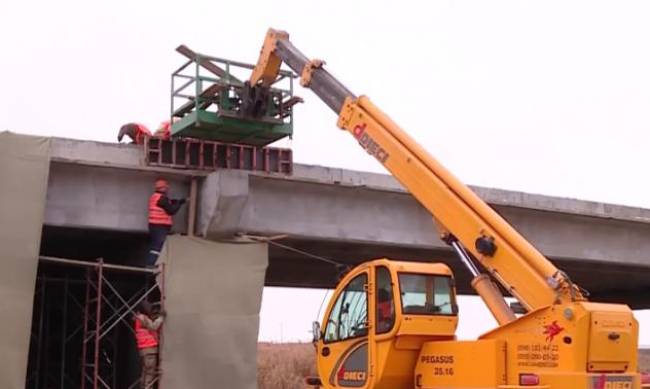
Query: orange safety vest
(140, 132)
(384, 310)
(158, 215)
(145, 338)
(164, 131)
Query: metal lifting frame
(200, 154)
(221, 107)
(103, 309)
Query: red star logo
(551, 330)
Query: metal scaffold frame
(200, 154)
(87, 327)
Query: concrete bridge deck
(98, 193)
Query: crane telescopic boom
(473, 229)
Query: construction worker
(147, 339)
(164, 129)
(385, 310)
(161, 210)
(135, 131)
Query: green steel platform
(220, 107)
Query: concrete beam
(340, 214)
(352, 209)
(105, 186)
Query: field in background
(284, 366)
(644, 360)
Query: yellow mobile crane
(391, 324)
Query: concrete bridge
(98, 192)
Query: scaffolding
(82, 331)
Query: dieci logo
(369, 144)
(351, 375)
(354, 376)
(612, 382)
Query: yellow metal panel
(268, 63)
(613, 335)
(419, 267)
(395, 366)
(432, 267)
(555, 343)
(428, 325)
(546, 343)
(462, 364)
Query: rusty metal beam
(186, 108)
(206, 63)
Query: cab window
(427, 294)
(385, 312)
(349, 316)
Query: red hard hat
(161, 184)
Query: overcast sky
(546, 97)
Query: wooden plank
(208, 65)
(209, 92)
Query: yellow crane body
(392, 324)
(565, 345)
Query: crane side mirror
(315, 331)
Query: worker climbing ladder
(97, 351)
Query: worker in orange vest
(164, 130)
(161, 210)
(135, 131)
(147, 339)
(385, 310)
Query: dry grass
(644, 360)
(284, 366)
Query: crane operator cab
(378, 320)
(391, 325)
